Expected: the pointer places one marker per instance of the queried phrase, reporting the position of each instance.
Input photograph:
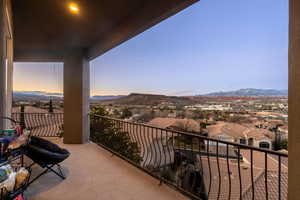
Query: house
(188, 125)
(233, 132)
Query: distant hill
(149, 99)
(103, 98)
(250, 92)
(153, 99)
(45, 95)
(36, 95)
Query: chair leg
(38, 176)
(60, 170)
(60, 173)
(48, 168)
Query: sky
(214, 45)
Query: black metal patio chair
(47, 155)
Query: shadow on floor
(45, 182)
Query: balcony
(151, 162)
(94, 173)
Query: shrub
(104, 132)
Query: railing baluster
(37, 120)
(252, 175)
(154, 146)
(163, 151)
(143, 139)
(147, 145)
(177, 157)
(45, 118)
(32, 121)
(51, 124)
(40, 126)
(134, 132)
(266, 176)
(61, 116)
(228, 170)
(55, 125)
(159, 147)
(209, 168)
(279, 177)
(151, 146)
(200, 156)
(168, 148)
(220, 179)
(164, 145)
(239, 170)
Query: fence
(196, 165)
(41, 124)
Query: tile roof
(238, 131)
(272, 185)
(230, 184)
(190, 124)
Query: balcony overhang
(46, 30)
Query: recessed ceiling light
(74, 8)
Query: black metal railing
(198, 166)
(41, 124)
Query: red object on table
(20, 197)
(19, 130)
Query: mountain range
(102, 98)
(250, 92)
(36, 95)
(46, 95)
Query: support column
(294, 101)
(76, 99)
(6, 61)
(2, 71)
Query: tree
(37, 104)
(278, 144)
(50, 106)
(99, 110)
(203, 125)
(146, 117)
(198, 114)
(126, 113)
(22, 117)
(116, 113)
(109, 134)
(283, 144)
(206, 115)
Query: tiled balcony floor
(94, 174)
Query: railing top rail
(242, 146)
(30, 113)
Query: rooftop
(186, 124)
(238, 131)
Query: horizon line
(153, 93)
